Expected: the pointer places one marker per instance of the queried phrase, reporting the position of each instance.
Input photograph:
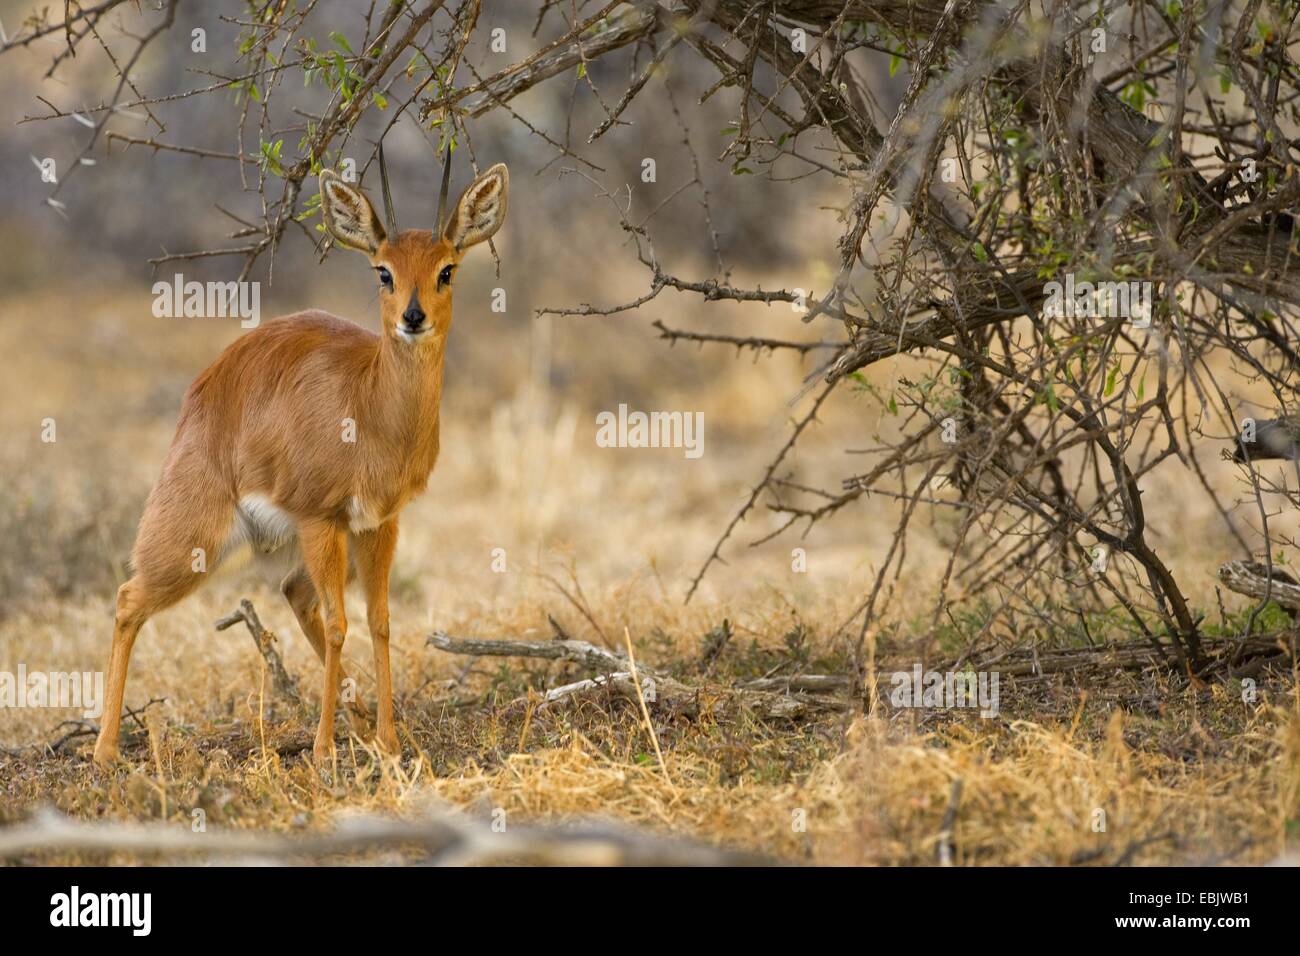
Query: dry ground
(600, 540)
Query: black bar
(941, 906)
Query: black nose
(413, 317)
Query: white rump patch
(262, 525)
(264, 533)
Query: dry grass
(600, 540)
(1202, 783)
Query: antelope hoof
(322, 754)
(386, 738)
(107, 757)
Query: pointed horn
(442, 194)
(389, 214)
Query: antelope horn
(442, 194)
(389, 214)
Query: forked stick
(285, 685)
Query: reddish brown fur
(267, 418)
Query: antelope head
(415, 268)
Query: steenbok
(306, 437)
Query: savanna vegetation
(833, 230)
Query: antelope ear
(480, 210)
(348, 215)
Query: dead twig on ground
(577, 652)
(1252, 579)
(661, 693)
(284, 684)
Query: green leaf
(341, 41)
(893, 63)
(271, 156)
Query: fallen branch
(446, 839)
(665, 695)
(620, 682)
(577, 652)
(662, 693)
(1036, 662)
(813, 683)
(1251, 579)
(284, 684)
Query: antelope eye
(444, 277)
(385, 278)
